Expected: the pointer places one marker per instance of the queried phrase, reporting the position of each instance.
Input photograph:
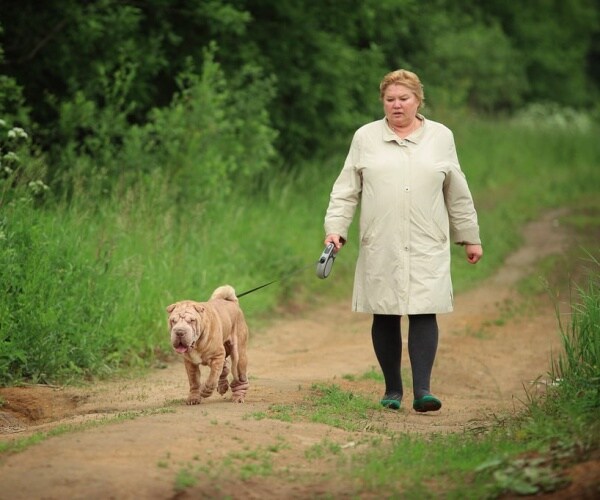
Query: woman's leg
(387, 344)
(422, 347)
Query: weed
(372, 374)
(330, 405)
(323, 448)
(254, 462)
(185, 478)
(259, 415)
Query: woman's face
(400, 105)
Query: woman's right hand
(336, 239)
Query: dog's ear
(170, 308)
(199, 308)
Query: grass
(372, 374)
(241, 465)
(325, 448)
(327, 404)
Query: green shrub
(214, 134)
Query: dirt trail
(485, 360)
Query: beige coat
(414, 199)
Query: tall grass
(580, 366)
(85, 284)
(576, 372)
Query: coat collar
(415, 137)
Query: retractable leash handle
(325, 262)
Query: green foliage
(199, 146)
(555, 41)
(319, 91)
(485, 70)
(48, 49)
(486, 56)
(90, 137)
(195, 144)
(12, 101)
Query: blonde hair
(406, 78)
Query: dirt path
(486, 357)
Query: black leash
(324, 265)
(274, 281)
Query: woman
(414, 198)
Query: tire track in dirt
(482, 370)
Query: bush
(214, 135)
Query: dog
(208, 333)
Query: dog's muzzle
(179, 341)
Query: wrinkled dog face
(185, 325)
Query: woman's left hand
(474, 253)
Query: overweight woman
(414, 200)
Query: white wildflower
(11, 157)
(17, 132)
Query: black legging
(422, 347)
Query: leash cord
(274, 281)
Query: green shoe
(391, 401)
(427, 403)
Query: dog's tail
(225, 292)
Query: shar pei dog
(209, 333)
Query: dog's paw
(193, 399)
(223, 387)
(206, 390)
(238, 390)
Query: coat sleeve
(345, 194)
(464, 227)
